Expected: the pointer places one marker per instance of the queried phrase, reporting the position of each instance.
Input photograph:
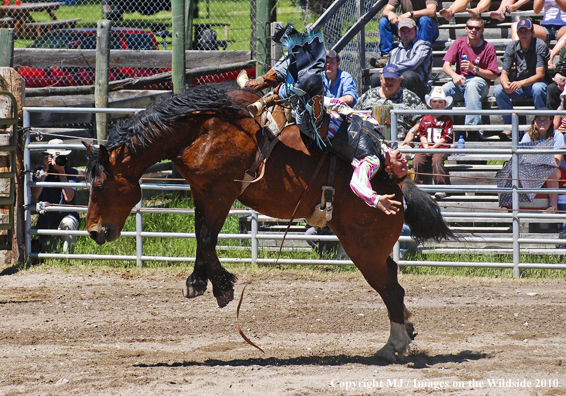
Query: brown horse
(211, 139)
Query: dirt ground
(86, 332)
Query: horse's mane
(144, 128)
(156, 121)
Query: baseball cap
(390, 71)
(408, 23)
(525, 24)
(333, 54)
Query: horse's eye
(99, 187)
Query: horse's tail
(423, 214)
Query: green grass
(187, 248)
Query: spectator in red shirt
(434, 132)
(476, 66)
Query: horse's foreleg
(207, 265)
(196, 282)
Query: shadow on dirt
(416, 361)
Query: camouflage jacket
(404, 99)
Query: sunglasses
(478, 28)
(542, 119)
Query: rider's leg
(268, 80)
(271, 99)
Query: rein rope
(307, 188)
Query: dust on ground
(117, 332)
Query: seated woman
(298, 81)
(542, 129)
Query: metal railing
(255, 236)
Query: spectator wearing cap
(55, 169)
(552, 26)
(434, 132)
(413, 57)
(338, 84)
(422, 11)
(470, 82)
(530, 56)
(391, 93)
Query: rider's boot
(364, 170)
(269, 80)
(255, 109)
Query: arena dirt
(85, 332)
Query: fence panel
(257, 237)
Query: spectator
(413, 58)
(530, 57)
(55, 169)
(338, 83)
(555, 88)
(391, 93)
(541, 129)
(471, 79)
(552, 27)
(434, 132)
(422, 11)
(460, 5)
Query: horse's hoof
(192, 291)
(225, 298)
(387, 353)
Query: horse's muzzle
(103, 235)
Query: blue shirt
(558, 143)
(343, 85)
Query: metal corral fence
(255, 236)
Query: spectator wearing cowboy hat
(338, 84)
(413, 58)
(530, 56)
(434, 132)
(55, 169)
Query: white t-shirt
(553, 15)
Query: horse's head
(113, 193)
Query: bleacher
(497, 33)
(473, 170)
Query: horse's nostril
(98, 237)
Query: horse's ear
(104, 156)
(88, 146)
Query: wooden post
(11, 81)
(6, 47)
(190, 10)
(178, 65)
(263, 48)
(101, 77)
(276, 48)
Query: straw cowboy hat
(438, 94)
(55, 152)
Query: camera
(60, 160)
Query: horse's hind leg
(381, 273)
(401, 333)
